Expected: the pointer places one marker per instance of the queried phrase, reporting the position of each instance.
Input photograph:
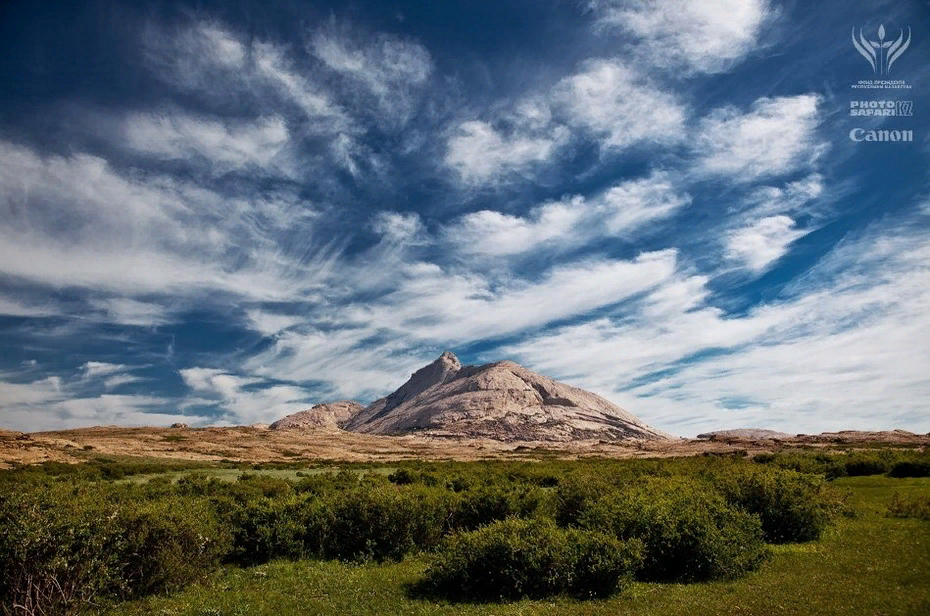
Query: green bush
(382, 523)
(862, 464)
(792, 506)
(167, 543)
(64, 547)
(530, 558)
(690, 533)
(268, 528)
(917, 467)
(484, 505)
(575, 495)
(56, 552)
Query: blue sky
(220, 213)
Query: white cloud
(225, 146)
(762, 243)
(400, 228)
(218, 64)
(390, 69)
(275, 68)
(117, 380)
(97, 369)
(87, 225)
(51, 404)
(491, 233)
(621, 109)
(125, 311)
(630, 205)
(617, 211)
(16, 308)
(242, 402)
(777, 136)
(367, 349)
(431, 304)
(706, 36)
(270, 323)
(480, 153)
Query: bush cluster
(531, 558)
(64, 547)
(498, 530)
(917, 467)
(791, 506)
(689, 531)
(896, 463)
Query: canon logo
(860, 134)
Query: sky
(221, 213)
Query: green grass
(865, 564)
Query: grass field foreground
(866, 564)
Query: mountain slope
(329, 415)
(503, 401)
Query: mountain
(329, 415)
(502, 401)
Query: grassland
(866, 564)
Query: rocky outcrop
(745, 433)
(330, 415)
(502, 401)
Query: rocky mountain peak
(501, 400)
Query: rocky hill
(502, 401)
(749, 433)
(330, 415)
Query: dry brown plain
(248, 444)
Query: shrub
(918, 467)
(916, 507)
(54, 556)
(475, 508)
(382, 523)
(862, 464)
(530, 558)
(689, 532)
(575, 495)
(270, 528)
(792, 506)
(64, 547)
(167, 543)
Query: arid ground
(247, 444)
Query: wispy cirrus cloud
(619, 106)
(776, 136)
(854, 320)
(615, 212)
(763, 242)
(390, 70)
(259, 146)
(239, 400)
(696, 36)
(480, 153)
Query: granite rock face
(331, 415)
(502, 401)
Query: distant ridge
(749, 433)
